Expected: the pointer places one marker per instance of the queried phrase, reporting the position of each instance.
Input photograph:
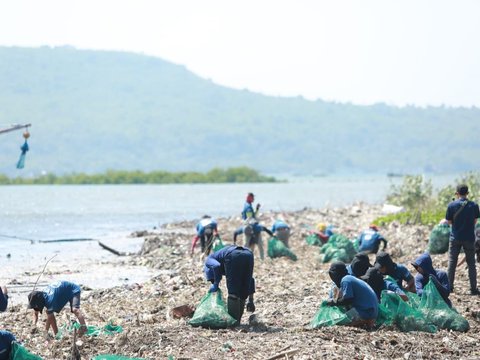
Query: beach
(287, 297)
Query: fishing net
(114, 357)
(329, 316)
(338, 248)
(276, 248)
(313, 240)
(439, 239)
(18, 352)
(217, 244)
(212, 312)
(394, 311)
(92, 330)
(438, 312)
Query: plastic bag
(394, 311)
(439, 239)
(212, 312)
(217, 244)
(329, 316)
(18, 352)
(92, 330)
(276, 248)
(313, 240)
(438, 312)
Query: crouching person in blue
(399, 272)
(281, 230)
(236, 263)
(253, 236)
(369, 240)
(6, 339)
(206, 229)
(356, 294)
(423, 264)
(374, 278)
(54, 298)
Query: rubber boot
(235, 307)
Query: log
(283, 354)
(113, 251)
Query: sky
(408, 52)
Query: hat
(360, 264)
(321, 227)
(384, 259)
(374, 227)
(462, 189)
(36, 300)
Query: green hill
(97, 110)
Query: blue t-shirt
(401, 274)
(279, 224)
(364, 298)
(204, 224)
(248, 211)
(463, 228)
(6, 339)
(58, 294)
(369, 240)
(3, 301)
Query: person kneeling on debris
(6, 339)
(359, 265)
(354, 293)
(399, 272)
(236, 263)
(54, 298)
(369, 240)
(323, 232)
(423, 264)
(3, 298)
(282, 231)
(375, 279)
(253, 236)
(206, 230)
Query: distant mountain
(97, 110)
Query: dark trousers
(206, 242)
(453, 252)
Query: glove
(213, 288)
(250, 306)
(331, 302)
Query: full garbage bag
(338, 248)
(438, 312)
(439, 239)
(329, 316)
(217, 244)
(18, 352)
(313, 240)
(212, 312)
(276, 248)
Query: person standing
(462, 215)
(248, 212)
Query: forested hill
(97, 110)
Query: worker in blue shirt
(399, 272)
(253, 236)
(54, 298)
(355, 294)
(3, 298)
(426, 272)
(359, 265)
(6, 339)
(236, 263)
(281, 231)
(369, 240)
(248, 212)
(462, 215)
(206, 230)
(375, 279)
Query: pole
(14, 127)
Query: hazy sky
(363, 51)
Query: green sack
(18, 352)
(212, 312)
(277, 248)
(114, 357)
(217, 244)
(394, 311)
(338, 248)
(329, 316)
(438, 312)
(92, 330)
(313, 240)
(439, 239)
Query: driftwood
(65, 240)
(113, 251)
(285, 354)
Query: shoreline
(288, 295)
